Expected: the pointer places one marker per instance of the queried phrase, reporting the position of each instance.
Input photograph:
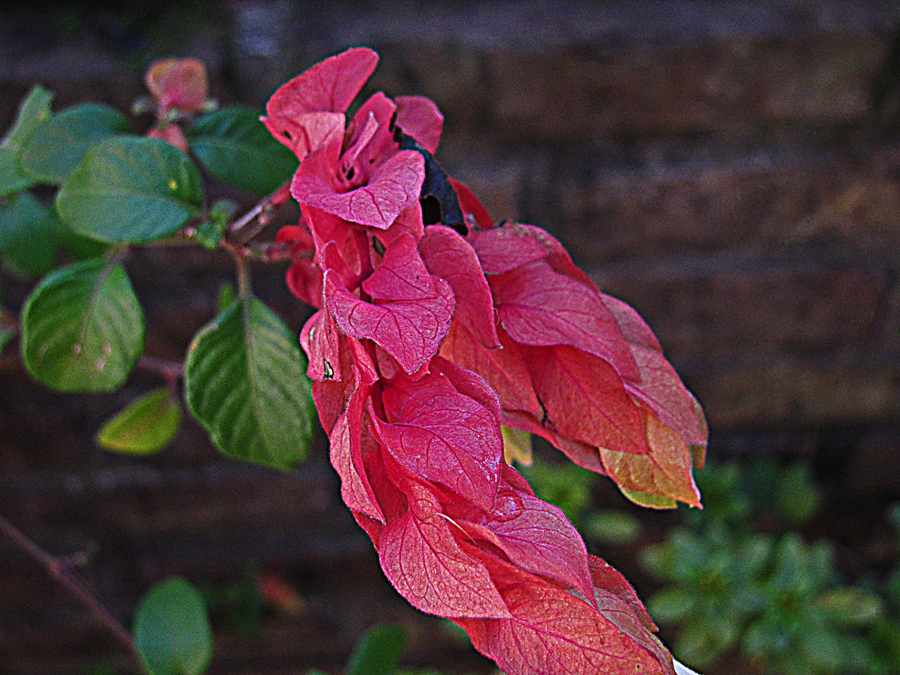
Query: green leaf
(245, 380)
(130, 190)
(82, 327)
(49, 156)
(29, 238)
(236, 147)
(649, 500)
(227, 295)
(33, 110)
(7, 333)
(145, 426)
(378, 651)
(172, 631)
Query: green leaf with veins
(83, 327)
(131, 190)
(245, 380)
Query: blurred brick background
(731, 169)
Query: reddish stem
(171, 370)
(61, 570)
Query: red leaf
(346, 458)
(452, 258)
(402, 274)
(585, 399)
(319, 339)
(503, 249)
(619, 603)
(473, 210)
(444, 436)
(634, 328)
(330, 85)
(504, 369)
(410, 331)
(331, 395)
(664, 472)
(661, 390)
(420, 118)
(350, 254)
(304, 280)
(468, 383)
(608, 580)
(393, 187)
(420, 557)
(553, 632)
(540, 307)
(535, 535)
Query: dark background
(731, 169)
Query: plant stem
(262, 212)
(61, 570)
(171, 370)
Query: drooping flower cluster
(436, 326)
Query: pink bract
(429, 337)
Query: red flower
(427, 339)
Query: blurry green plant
(769, 595)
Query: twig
(262, 212)
(171, 370)
(61, 570)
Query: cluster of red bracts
(429, 336)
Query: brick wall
(731, 169)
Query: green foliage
(130, 190)
(28, 236)
(235, 146)
(769, 595)
(209, 233)
(34, 109)
(740, 496)
(32, 237)
(171, 630)
(245, 380)
(378, 651)
(61, 141)
(82, 327)
(145, 426)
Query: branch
(61, 570)
(171, 370)
(262, 212)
